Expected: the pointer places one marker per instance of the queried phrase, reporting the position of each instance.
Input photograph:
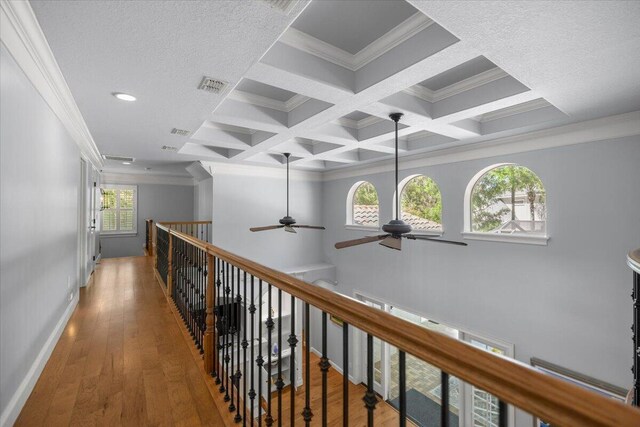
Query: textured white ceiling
(582, 56)
(579, 56)
(157, 51)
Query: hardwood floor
(122, 360)
(125, 358)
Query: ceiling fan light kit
(396, 229)
(287, 222)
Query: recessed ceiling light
(126, 163)
(124, 96)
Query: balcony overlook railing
(246, 320)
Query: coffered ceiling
(320, 81)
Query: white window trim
(349, 224)
(401, 185)
(468, 234)
(127, 233)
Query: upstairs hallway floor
(122, 359)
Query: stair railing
(242, 316)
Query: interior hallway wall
(39, 185)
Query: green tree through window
(421, 198)
(366, 194)
(509, 197)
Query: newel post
(209, 330)
(170, 267)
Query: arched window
(362, 205)
(506, 199)
(421, 203)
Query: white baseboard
(11, 412)
(334, 366)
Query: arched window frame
(350, 225)
(468, 232)
(401, 186)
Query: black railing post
(503, 414)
(279, 380)
(444, 399)
(324, 368)
(345, 374)
(307, 415)
(369, 398)
(402, 388)
(293, 340)
(269, 419)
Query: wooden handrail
(183, 222)
(557, 402)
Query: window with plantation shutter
(119, 213)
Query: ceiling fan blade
(361, 241)
(315, 227)
(268, 227)
(392, 242)
(289, 229)
(433, 239)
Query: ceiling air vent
(180, 132)
(212, 85)
(283, 6)
(118, 158)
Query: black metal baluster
(503, 414)
(236, 316)
(369, 398)
(444, 399)
(402, 388)
(293, 340)
(244, 352)
(635, 329)
(252, 311)
(345, 376)
(279, 380)
(260, 359)
(227, 309)
(218, 320)
(269, 419)
(203, 297)
(306, 412)
(232, 332)
(324, 363)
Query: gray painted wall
(567, 302)
(156, 201)
(240, 202)
(203, 202)
(39, 183)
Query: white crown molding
(263, 101)
(516, 109)
(472, 82)
(359, 124)
(230, 128)
(603, 129)
(21, 34)
(110, 177)
(219, 168)
(394, 37)
(402, 32)
(295, 101)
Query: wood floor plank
(121, 360)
